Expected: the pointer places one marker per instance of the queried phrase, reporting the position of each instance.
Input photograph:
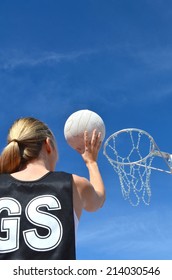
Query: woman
(40, 208)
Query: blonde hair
(24, 143)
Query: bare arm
(91, 192)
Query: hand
(92, 147)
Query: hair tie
(14, 140)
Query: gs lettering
(11, 224)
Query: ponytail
(10, 158)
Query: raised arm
(90, 194)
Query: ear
(48, 145)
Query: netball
(79, 122)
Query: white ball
(78, 123)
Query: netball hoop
(131, 153)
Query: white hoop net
(131, 152)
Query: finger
(94, 137)
(100, 140)
(86, 140)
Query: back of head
(24, 143)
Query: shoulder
(80, 181)
(86, 192)
(82, 185)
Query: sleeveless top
(37, 218)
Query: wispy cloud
(143, 234)
(12, 59)
(157, 59)
(136, 83)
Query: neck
(32, 171)
(36, 165)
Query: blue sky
(113, 57)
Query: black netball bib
(36, 218)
